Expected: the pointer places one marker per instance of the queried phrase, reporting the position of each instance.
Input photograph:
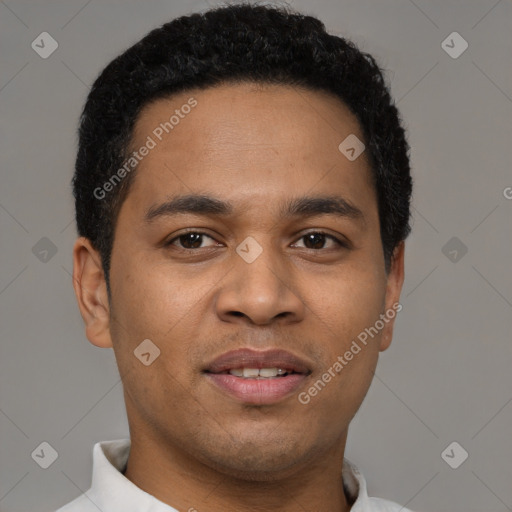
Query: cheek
(347, 302)
(157, 302)
(345, 306)
(155, 297)
(345, 309)
(152, 303)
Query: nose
(261, 292)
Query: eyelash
(339, 242)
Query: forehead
(249, 114)
(246, 141)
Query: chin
(266, 469)
(259, 461)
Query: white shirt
(111, 491)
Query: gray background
(447, 374)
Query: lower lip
(257, 391)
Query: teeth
(268, 372)
(253, 373)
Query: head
(228, 125)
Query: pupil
(317, 240)
(194, 238)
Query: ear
(91, 292)
(395, 280)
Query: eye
(190, 240)
(316, 240)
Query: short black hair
(235, 43)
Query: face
(245, 228)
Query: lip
(257, 391)
(248, 358)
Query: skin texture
(257, 147)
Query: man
(242, 195)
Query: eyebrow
(306, 206)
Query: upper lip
(248, 358)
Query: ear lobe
(385, 340)
(395, 280)
(91, 292)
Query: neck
(181, 481)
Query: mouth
(257, 373)
(257, 377)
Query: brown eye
(191, 240)
(317, 240)
(194, 240)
